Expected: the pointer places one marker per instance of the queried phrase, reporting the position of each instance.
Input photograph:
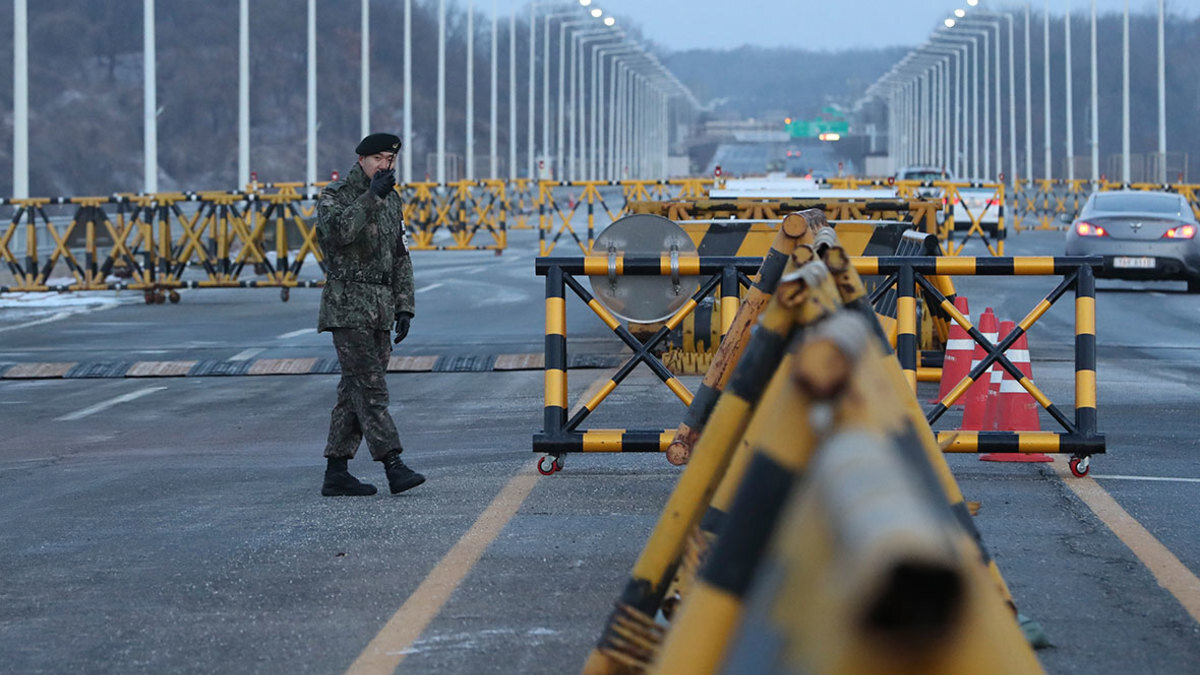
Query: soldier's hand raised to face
(382, 183)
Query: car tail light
(1181, 232)
(993, 202)
(1085, 229)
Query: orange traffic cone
(957, 362)
(1016, 409)
(992, 411)
(977, 394)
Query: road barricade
(815, 379)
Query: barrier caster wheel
(148, 296)
(173, 296)
(1079, 466)
(160, 297)
(558, 462)
(547, 465)
(285, 293)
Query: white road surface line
(1158, 479)
(295, 333)
(247, 354)
(56, 317)
(430, 287)
(105, 405)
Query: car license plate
(1139, 263)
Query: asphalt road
(174, 524)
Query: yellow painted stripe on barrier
(1170, 573)
(1085, 389)
(605, 315)
(729, 310)
(906, 314)
(1085, 315)
(665, 439)
(865, 266)
(1034, 314)
(681, 391)
(1034, 265)
(689, 265)
(1037, 394)
(955, 266)
(556, 387)
(556, 313)
(680, 314)
(711, 623)
(957, 392)
(602, 440)
(598, 265)
(601, 395)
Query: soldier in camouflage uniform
(368, 288)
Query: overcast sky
(817, 24)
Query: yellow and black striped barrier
(561, 435)
(1080, 437)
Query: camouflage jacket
(368, 274)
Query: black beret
(376, 143)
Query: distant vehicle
(982, 203)
(924, 173)
(1140, 234)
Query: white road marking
(105, 405)
(430, 287)
(247, 354)
(1159, 479)
(57, 317)
(295, 333)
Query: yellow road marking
(389, 647)
(1166, 568)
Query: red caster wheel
(1079, 466)
(548, 465)
(285, 293)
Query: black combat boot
(400, 477)
(339, 482)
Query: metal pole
(493, 142)
(150, 101)
(532, 86)
(1012, 103)
(470, 113)
(1095, 104)
(1028, 103)
(20, 100)
(364, 49)
(441, 94)
(1070, 97)
(512, 94)
(408, 139)
(1125, 100)
(1048, 168)
(1162, 99)
(243, 170)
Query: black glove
(382, 183)
(402, 321)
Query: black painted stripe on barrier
(1085, 349)
(646, 265)
(99, 369)
(713, 520)
(751, 522)
(757, 365)
(910, 449)
(702, 406)
(962, 514)
(556, 352)
(771, 272)
(723, 238)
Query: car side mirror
(1065, 217)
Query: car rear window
(923, 175)
(1148, 202)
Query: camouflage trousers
(362, 395)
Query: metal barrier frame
(1081, 438)
(561, 435)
